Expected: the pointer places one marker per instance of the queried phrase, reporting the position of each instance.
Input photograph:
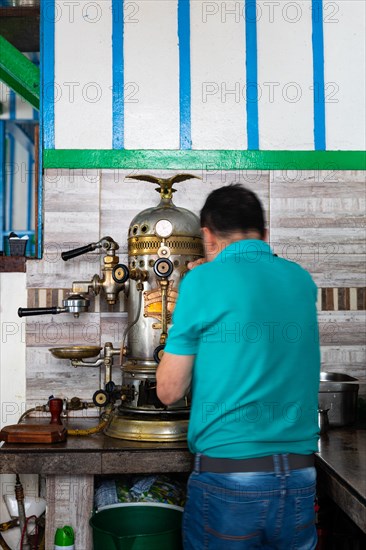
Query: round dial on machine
(100, 398)
(163, 228)
(158, 353)
(163, 267)
(120, 273)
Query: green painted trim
(207, 160)
(20, 74)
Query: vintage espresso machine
(162, 240)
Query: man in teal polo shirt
(245, 339)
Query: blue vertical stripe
(252, 74)
(12, 105)
(39, 218)
(318, 71)
(30, 191)
(2, 182)
(35, 60)
(48, 65)
(184, 31)
(41, 142)
(118, 74)
(9, 218)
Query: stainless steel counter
(341, 466)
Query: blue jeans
(269, 510)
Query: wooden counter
(96, 454)
(70, 468)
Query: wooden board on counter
(33, 433)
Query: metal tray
(75, 352)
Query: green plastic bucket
(137, 526)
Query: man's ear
(266, 236)
(210, 242)
(206, 233)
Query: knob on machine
(100, 398)
(163, 267)
(120, 273)
(158, 353)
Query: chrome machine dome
(184, 222)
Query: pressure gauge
(163, 228)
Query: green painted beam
(204, 160)
(20, 74)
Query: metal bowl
(336, 377)
(75, 352)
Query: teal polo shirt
(250, 319)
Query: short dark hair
(233, 208)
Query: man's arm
(173, 377)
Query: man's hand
(173, 377)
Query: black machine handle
(78, 251)
(26, 312)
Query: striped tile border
(329, 299)
(342, 299)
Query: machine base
(137, 428)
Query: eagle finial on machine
(165, 184)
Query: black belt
(262, 464)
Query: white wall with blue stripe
(180, 74)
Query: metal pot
(338, 393)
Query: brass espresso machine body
(162, 240)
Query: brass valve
(137, 274)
